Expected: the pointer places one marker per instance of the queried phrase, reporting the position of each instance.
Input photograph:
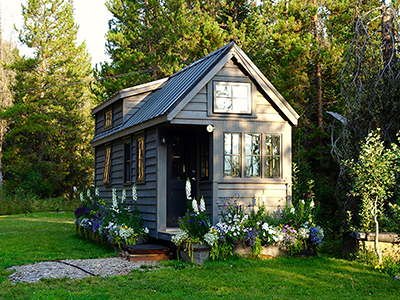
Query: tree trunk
(389, 52)
(318, 72)
(376, 241)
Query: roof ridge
(217, 51)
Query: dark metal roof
(177, 86)
(174, 89)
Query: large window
(272, 155)
(232, 97)
(252, 155)
(107, 166)
(255, 162)
(140, 159)
(232, 154)
(127, 162)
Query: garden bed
(354, 241)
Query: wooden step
(146, 252)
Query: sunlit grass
(44, 236)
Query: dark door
(181, 165)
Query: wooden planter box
(354, 241)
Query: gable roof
(176, 91)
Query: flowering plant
(116, 223)
(194, 225)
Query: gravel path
(112, 266)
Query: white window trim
(232, 111)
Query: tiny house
(218, 122)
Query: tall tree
(6, 79)
(48, 142)
(153, 39)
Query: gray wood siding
(132, 104)
(117, 114)
(146, 191)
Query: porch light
(210, 128)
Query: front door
(181, 165)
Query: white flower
(304, 233)
(146, 230)
(180, 237)
(123, 197)
(194, 205)
(210, 238)
(312, 204)
(81, 196)
(202, 205)
(302, 201)
(88, 194)
(96, 192)
(292, 210)
(134, 194)
(188, 190)
(75, 189)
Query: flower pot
(272, 251)
(241, 248)
(200, 253)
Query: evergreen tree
(48, 147)
(6, 78)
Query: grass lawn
(47, 236)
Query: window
(107, 164)
(127, 162)
(140, 160)
(204, 160)
(252, 164)
(252, 155)
(108, 119)
(232, 97)
(232, 154)
(272, 155)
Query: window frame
(140, 159)
(127, 162)
(232, 155)
(263, 157)
(108, 119)
(250, 97)
(273, 156)
(107, 166)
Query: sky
(91, 15)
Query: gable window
(127, 162)
(140, 159)
(273, 155)
(232, 97)
(107, 165)
(232, 154)
(107, 119)
(252, 155)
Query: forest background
(45, 124)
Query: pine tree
(6, 78)
(48, 142)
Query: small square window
(232, 97)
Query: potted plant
(194, 238)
